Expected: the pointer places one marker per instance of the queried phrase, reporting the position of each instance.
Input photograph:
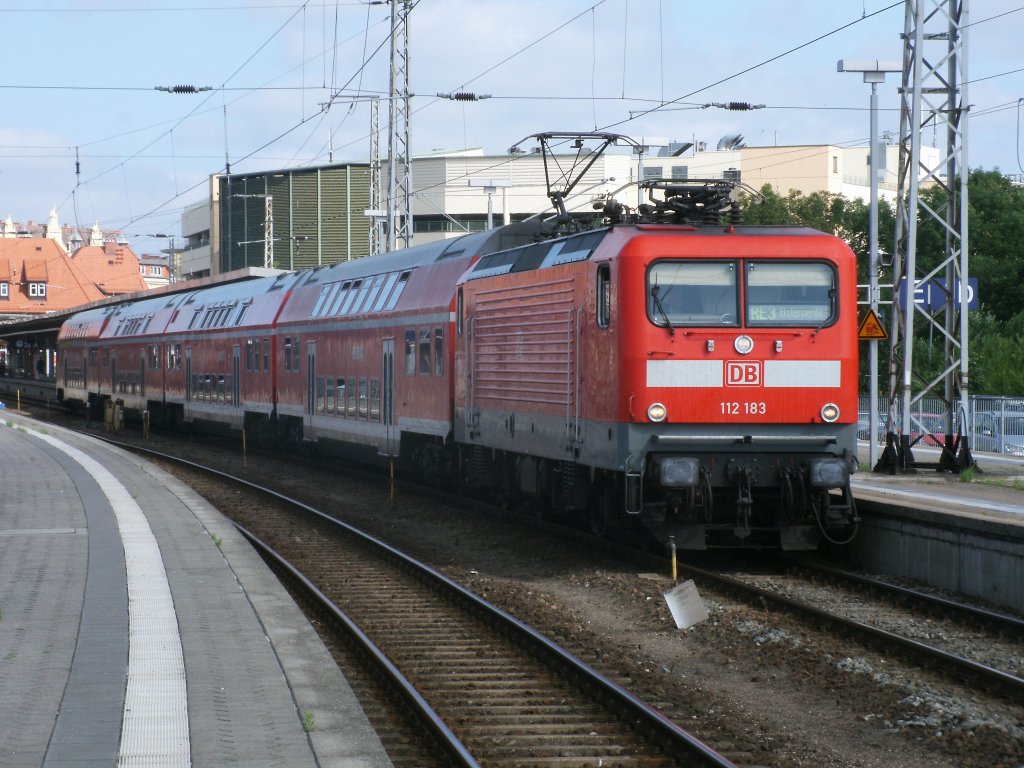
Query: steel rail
(996, 619)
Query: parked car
(864, 429)
(998, 432)
(927, 429)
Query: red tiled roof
(33, 271)
(113, 268)
(23, 260)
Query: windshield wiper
(828, 315)
(658, 305)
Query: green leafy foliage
(996, 258)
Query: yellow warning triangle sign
(871, 327)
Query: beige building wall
(807, 169)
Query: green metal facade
(318, 216)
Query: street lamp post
(874, 71)
(490, 186)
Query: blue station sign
(932, 294)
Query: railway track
(864, 620)
(1001, 623)
(484, 685)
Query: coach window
(362, 397)
(458, 313)
(266, 355)
(375, 399)
(329, 396)
(106, 357)
(425, 351)
(604, 296)
(154, 357)
(385, 291)
(350, 408)
(438, 351)
(340, 396)
(336, 300)
(321, 389)
(692, 293)
(796, 293)
(371, 296)
(357, 305)
(397, 292)
(410, 352)
(353, 291)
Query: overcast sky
(79, 81)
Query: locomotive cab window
(794, 293)
(692, 293)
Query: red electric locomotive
(702, 380)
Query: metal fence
(994, 424)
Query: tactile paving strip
(155, 730)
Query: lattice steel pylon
(399, 163)
(933, 95)
(376, 233)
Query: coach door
(188, 384)
(236, 378)
(387, 409)
(310, 386)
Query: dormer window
(37, 290)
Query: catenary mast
(399, 162)
(933, 96)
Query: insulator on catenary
(182, 88)
(464, 96)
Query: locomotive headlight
(829, 412)
(743, 344)
(656, 412)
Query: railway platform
(932, 527)
(137, 627)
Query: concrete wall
(983, 558)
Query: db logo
(743, 373)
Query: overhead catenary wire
(594, 98)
